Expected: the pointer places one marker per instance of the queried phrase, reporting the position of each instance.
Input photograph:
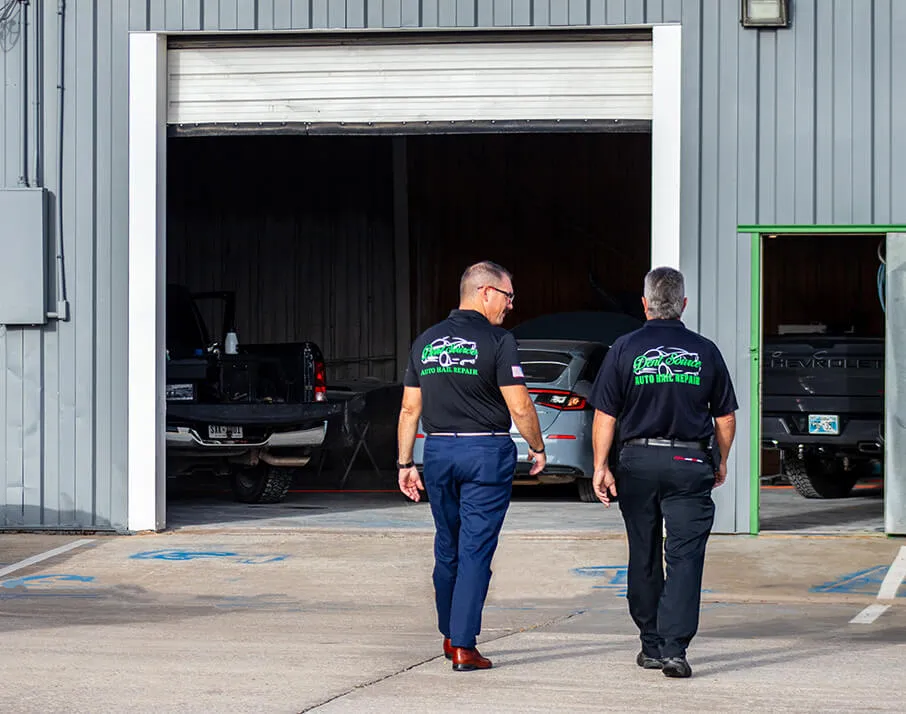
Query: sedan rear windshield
(542, 366)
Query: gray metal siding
(62, 429)
(802, 125)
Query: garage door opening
(357, 243)
(822, 401)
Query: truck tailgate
(818, 373)
(254, 414)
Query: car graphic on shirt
(450, 352)
(667, 361)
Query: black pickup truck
(255, 414)
(823, 407)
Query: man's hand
(720, 475)
(724, 431)
(411, 483)
(539, 459)
(605, 485)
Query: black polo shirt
(460, 365)
(665, 381)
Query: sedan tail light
(560, 399)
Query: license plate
(823, 424)
(224, 432)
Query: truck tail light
(320, 381)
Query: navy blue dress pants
(655, 483)
(469, 480)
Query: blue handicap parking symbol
(614, 575)
(862, 582)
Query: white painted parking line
(43, 556)
(888, 590)
(894, 577)
(869, 614)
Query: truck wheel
(265, 484)
(586, 490)
(819, 478)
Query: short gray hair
(483, 273)
(665, 289)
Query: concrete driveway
(235, 620)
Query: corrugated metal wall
(62, 387)
(800, 125)
(568, 214)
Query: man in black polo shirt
(671, 391)
(466, 383)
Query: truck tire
(586, 490)
(265, 484)
(819, 478)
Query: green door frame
(756, 232)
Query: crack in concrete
(378, 680)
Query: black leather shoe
(677, 667)
(646, 662)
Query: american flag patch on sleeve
(517, 372)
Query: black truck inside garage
(823, 360)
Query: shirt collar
(664, 323)
(468, 315)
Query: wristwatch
(538, 451)
(407, 465)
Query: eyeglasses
(509, 296)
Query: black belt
(469, 433)
(671, 443)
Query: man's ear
(685, 302)
(644, 304)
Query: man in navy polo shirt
(671, 391)
(465, 381)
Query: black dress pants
(655, 483)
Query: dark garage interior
(357, 243)
(823, 349)
(304, 230)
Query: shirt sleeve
(410, 379)
(509, 368)
(723, 396)
(608, 393)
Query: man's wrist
(407, 464)
(538, 451)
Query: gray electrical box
(23, 256)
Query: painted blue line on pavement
(44, 580)
(861, 582)
(54, 585)
(187, 555)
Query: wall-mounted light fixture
(765, 13)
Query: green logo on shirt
(450, 354)
(667, 365)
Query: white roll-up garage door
(411, 82)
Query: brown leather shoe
(466, 659)
(448, 648)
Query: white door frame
(148, 245)
(146, 497)
(666, 94)
(895, 386)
